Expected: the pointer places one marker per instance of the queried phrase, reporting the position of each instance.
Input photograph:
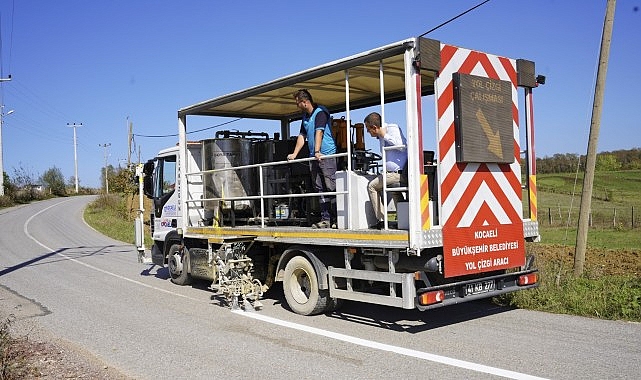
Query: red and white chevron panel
(481, 209)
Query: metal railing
(261, 196)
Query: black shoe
(322, 224)
(377, 226)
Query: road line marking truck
(231, 209)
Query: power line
(196, 131)
(23, 124)
(454, 18)
(19, 90)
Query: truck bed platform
(390, 238)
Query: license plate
(479, 287)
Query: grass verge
(14, 354)
(610, 287)
(113, 215)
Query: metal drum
(222, 153)
(276, 178)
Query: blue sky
(102, 63)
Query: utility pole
(590, 163)
(75, 154)
(2, 115)
(129, 138)
(106, 146)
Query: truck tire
(177, 262)
(300, 286)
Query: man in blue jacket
(316, 129)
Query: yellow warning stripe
(533, 202)
(425, 203)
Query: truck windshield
(165, 176)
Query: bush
(5, 201)
(13, 356)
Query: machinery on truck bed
(233, 210)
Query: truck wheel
(177, 261)
(300, 286)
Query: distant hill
(629, 159)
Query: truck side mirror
(148, 181)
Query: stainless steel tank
(222, 153)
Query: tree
(559, 163)
(110, 172)
(55, 181)
(22, 177)
(9, 187)
(607, 163)
(121, 180)
(71, 182)
(23, 181)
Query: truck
(233, 211)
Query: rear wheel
(300, 286)
(178, 261)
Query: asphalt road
(88, 289)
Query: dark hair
(373, 118)
(303, 94)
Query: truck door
(164, 185)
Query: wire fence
(608, 217)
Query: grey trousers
(375, 191)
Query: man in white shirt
(388, 135)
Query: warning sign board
(483, 118)
(476, 250)
(485, 233)
(480, 192)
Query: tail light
(528, 279)
(430, 298)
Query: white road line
(312, 330)
(395, 349)
(26, 231)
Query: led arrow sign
(483, 118)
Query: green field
(615, 220)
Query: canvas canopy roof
(273, 100)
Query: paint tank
(220, 153)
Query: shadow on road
(161, 273)
(384, 317)
(66, 253)
(30, 262)
(415, 321)
(402, 320)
